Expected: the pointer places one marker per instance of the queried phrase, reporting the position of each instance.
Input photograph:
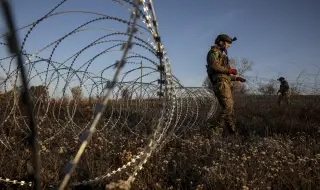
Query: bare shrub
(77, 92)
(268, 89)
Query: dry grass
(278, 149)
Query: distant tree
(295, 90)
(244, 65)
(125, 94)
(77, 92)
(241, 89)
(268, 89)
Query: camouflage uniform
(218, 72)
(284, 91)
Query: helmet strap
(222, 44)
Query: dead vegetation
(278, 147)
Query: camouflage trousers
(223, 93)
(284, 97)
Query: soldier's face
(227, 45)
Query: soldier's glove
(233, 71)
(240, 79)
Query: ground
(277, 148)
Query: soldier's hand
(241, 79)
(233, 71)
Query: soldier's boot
(232, 129)
(231, 126)
(219, 127)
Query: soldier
(221, 74)
(284, 91)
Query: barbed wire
(59, 71)
(16, 182)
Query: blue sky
(280, 37)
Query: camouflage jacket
(284, 87)
(218, 65)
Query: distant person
(221, 74)
(284, 91)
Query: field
(277, 147)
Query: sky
(280, 37)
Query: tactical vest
(223, 61)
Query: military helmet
(224, 37)
(280, 79)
